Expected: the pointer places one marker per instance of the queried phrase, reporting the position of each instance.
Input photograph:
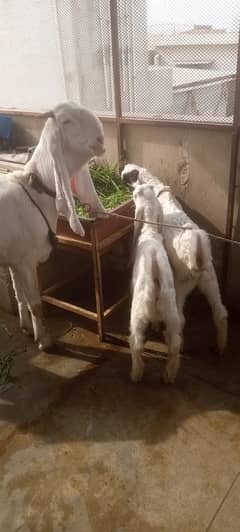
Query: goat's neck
(148, 178)
(41, 164)
(149, 228)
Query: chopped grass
(109, 187)
(6, 365)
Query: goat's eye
(67, 121)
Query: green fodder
(110, 189)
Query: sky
(219, 13)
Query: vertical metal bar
(97, 271)
(232, 172)
(116, 75)
(234, 150)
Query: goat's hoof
(45, 343)
(137, 373)
(222, 335)
(169, 375)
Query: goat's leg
(174, 340)
(136, 342)
(136, 346)
(24, 316)
(183, 289)
(208, 285)
(28, 280)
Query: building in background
(203, 60)
(64, 51)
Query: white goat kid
(154, 298)
(30, 201)
(189, 251)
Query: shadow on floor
(90, 382)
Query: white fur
(154, 298)
(189, 251)
(70, 138)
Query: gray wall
(194, 160)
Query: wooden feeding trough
(100, 237)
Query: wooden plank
(60, 284)
(71, 241)
(110, 240)
(97, 270)
(113, 307)
(70, 307)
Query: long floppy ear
(84, 188)
(64, 198)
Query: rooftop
(188, 77)
(193, 37)
(183, 77)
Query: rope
(163, 224)
(51, 234)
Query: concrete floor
(85, 450)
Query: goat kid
(153, 289)
(189, 251)
(31, 199)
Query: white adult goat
(189, 251)
(31, 199)
(154, 298)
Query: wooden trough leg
(98, 286)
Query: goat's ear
(64, 198)
(85, 190)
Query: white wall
(53, 50)
(30, 62)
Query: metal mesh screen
(85, 41)
(178, 58)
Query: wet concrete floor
(83, 449)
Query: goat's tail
(199, 251)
